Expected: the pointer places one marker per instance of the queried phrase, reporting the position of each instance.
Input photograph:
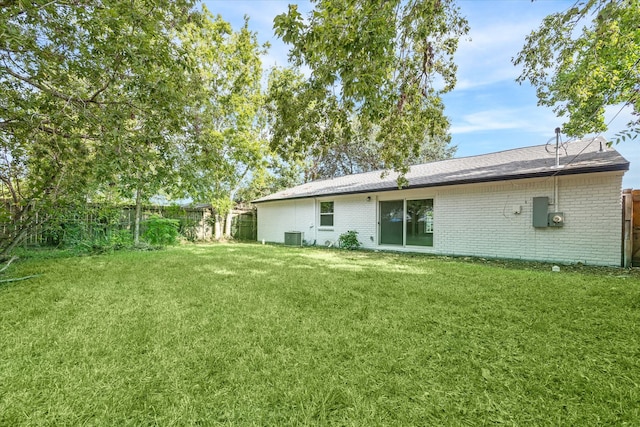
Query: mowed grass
(264, 335)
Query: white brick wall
(478, 219)
(276, 218)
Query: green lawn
(264, 335)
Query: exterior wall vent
(293, 238)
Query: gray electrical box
(556, 219)
(540, 210)
(293, 238)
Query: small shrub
(349, 240)
(188, 227)
(161, 231)
(121, 239)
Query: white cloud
(498, 32)
(483, 121)
(537, 121)
(485, 57)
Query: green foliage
(91, 92)
(225, 143)
(187, 223)
(585, 59)
(383, 64)
(87, 228)
(279, 174)
(113, 240)
(349, 240)
(317, 136)
(161, 231)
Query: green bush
(121, 239)
(86, 229)
(349, 240)
(161, 231)
(188, 226)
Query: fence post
(627, 227)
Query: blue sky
(488, 110)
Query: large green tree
(584, 59)
(77, 80)
(224, 145)
(383, 64)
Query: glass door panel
(391, 222)
(420, 222)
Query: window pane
(420, 222)
(326, 207)
(326, 214)
(326, 219)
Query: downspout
(556, 207)
(316, 216)
(376, 234)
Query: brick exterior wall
(478, 219)
(276, 218)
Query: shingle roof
(582, 156)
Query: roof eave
(618, 167)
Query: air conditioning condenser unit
(293, 238)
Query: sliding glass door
(407, 223)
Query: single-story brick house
(525, 203)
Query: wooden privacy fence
(631, 228)
(196, 224)
(244, 225)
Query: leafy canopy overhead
(384, 63)
(223, 143)
(313, 133)
(585, 59)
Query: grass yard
(264, 335)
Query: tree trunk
(14, 241)
(22, 223)
(217, 227)
(227, 225)
(138, 215)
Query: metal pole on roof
(556, 204)
(557, 147)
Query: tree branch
(118, 60)
(61, 95)
(7, 123)
(53, 131)
(17, 279)
(24, 11)
(12, 190)
(13, 258)
(37, 85)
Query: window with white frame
(326, 214)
